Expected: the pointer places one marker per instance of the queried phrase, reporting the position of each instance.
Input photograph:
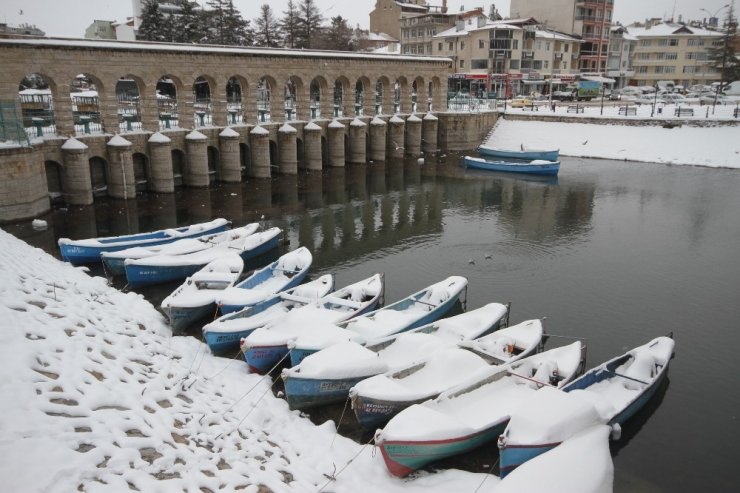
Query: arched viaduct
(117, 117)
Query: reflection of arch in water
(179, 163)
(324, 153)
(300, 152)
(54, 180)
(245, 160)
(99, 176)
(214, 165)
(273, 155)
(142, 173)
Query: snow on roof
(259, 130)
(413, 119)
(195, 135)
(666, 29)
(118, 141)
(228, 132)
(73, 144)
(377, 122)
(287, 129)
(396, 119)
(335, 124)
(311, 126)
(230, 50)
(405, 4)
(159, 138)
(381, 37)
(357, 123)
(468, 28)
(430, 117)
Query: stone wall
(23, 188)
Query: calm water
(616, 253)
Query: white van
(732, 89)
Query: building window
(662, 42)
(695, 42)
(450, 46)
(673, 42)
(645, 42)
(671, 56)
(481, 63)
(643, 56)
(689, 69)
(642, 70)
(481, 44)
(566, 48)
(462, 45)
(670, 69)
(462, 63)
(514, 65)
(546, 64)
(439, 46)
(515, 44)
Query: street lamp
(716, 11)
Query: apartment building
(509, 57)
(589, 19)
(668, 51)
(387, 15)
(622, 46)
(417, 32)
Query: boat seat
(357, 294)
(435, 297)
(641, 368)
(545, 372)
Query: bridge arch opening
(435, 95)
(142, 173)
(300, 152)
(265, 87)
(341, 95)
(324, 152)
(54, 180)
(178, 166)
(400, 88)
(418, 96)
(202, 107)
(86, 104)
(236, 87)
(292, 88)
(37, 104)
(214, 165)
(245, 160)
(319, 89)
(382, 93)
(128, 96)
(273, 155)
(98, 176)
(166, 92)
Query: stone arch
(383, 95)
(418, 95)
(294, 88)
(54, 180)
(203, 88)
(167, 90)
(342, 97)
(266, 86)
(320, 102)
(237, 91)
(273, 155)
(142, 171)
(363, 90)
(434, 94)
(129, 89)
(85, 92)
(179, 165)
(98, 176)
(214, 164)
(300, 151)
(36, 95)
(245, 160)
(401, 99)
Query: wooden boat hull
(141, 274)
(181, 317)
(303, 393)
(404, 457)
(75, 253)
(551, 168)
(375, 413)
(294, 281)
(261, 359)
(547, 155)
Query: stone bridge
(116, 118)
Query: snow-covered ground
(715, 146)
(97, 395)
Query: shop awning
(596, 78)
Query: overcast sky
(69, 18)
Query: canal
(613, 252)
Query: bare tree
(267, 30)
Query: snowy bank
(96, 395)
(699, 146)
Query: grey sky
(69, 18)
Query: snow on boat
(165, 268)
(377, 399)
(89, 250)
(472, 413)
(224, 333)
(608, 394)
(521, 154)
(267, 346)
(196, 297)
(421, 308)
(533, 167)
(113, 262)
(581, 464)
(328, 375)
(286, 272)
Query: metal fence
(11, 125)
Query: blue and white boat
(377, 399)
(328, 375)
(267, 346)
(286, 272)
(196, 297)
(113, 262)
(520, 154)
(89, 250)
(533, 167)
(474, 412)
(609, 394)
(421, 308)
(224, 333)
(166, 268)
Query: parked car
(521, 102)
(563, 95)
(674, 98)
(616, 95)
(720, 99)
(648, 99)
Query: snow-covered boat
(328, 375)
(286, 272)
(521, 154)
(379, 398)
(267, 346)
(472, 413)
(89, 250)
(608, 394)
(420, 308)
(224, 333)
(196, 297)
(530, 167)
(165, 268)
(113, 262)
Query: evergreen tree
(152, 27)
(267, 30)
(226, 26)
(238, 30)
(309, 24)
(289, 25)
(723, 57)
(338, 35)
(189, 27)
